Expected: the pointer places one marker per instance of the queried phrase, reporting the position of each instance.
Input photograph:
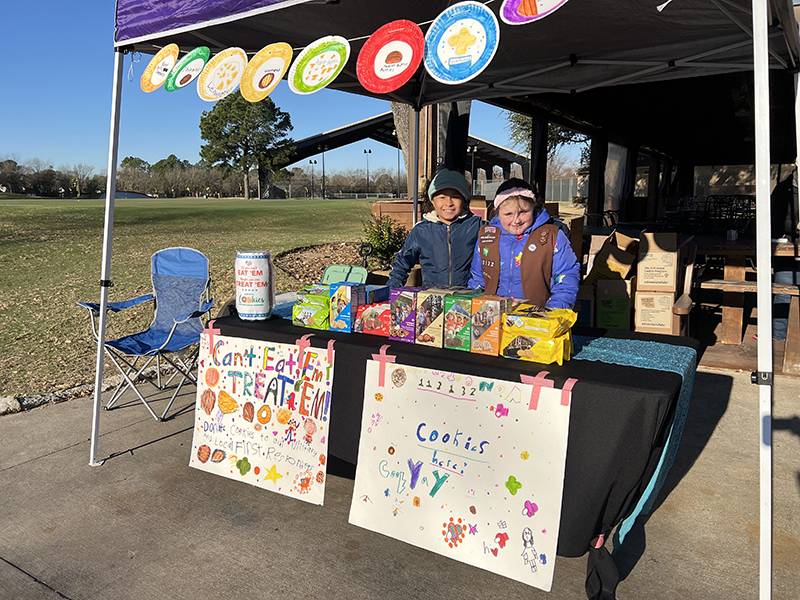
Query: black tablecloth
(618, 424)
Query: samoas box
(403, 315)
(373, 319)
(430, 316)
(312, 308)
(346, 297)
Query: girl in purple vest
(521, 254)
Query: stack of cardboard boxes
(658, 277)
(609, 288)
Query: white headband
(503, 196)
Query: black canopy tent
(627, 67)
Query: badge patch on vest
(543, 238)
(485, 251)
(532, 248)
(490, 229)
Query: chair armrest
(683, 305)
(117, 306)
(198, 313)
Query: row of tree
(39, 178)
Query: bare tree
(81, 173)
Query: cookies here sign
(262, 414)
(467, 467)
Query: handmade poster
(265, 70)
(467, 467)
(461, 42)
(188, 69)
(155, 74)
(222, 74)
(318, 64)
(262, 414)
(519, 12)
(390, 56)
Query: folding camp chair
(180, 291)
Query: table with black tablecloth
(619, 422)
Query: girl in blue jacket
(521, 254)
(444, 240)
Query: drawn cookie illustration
(203, 453)
(207, 401)
(399, 377)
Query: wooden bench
(791, 353)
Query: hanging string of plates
(459, 44)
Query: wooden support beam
(537, 176)
(597, 173)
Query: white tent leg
(105, 276)
(765, 374)
(416, 164)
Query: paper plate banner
(222, 74)
(318, 64)
(390, 57)
(159, 67)
(265, 70)
(188, 69)
(519, 12)
(461, 43)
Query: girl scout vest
(535, 263)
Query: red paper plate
(390, 57)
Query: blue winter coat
(566, 269)
(443, 251)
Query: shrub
(387, 238)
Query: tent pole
(765, 374)
(416, 163)
(108, 230)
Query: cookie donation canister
(255, 286)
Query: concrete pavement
(146, 526)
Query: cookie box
(430, 317)
(373, 319)
(458, 321)
(346, 297)
(403, 314)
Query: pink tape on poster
(383, 358)
(330, 352)
(302, 344)
(538, 382)
(566, 391)
(211, 332)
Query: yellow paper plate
(265, 70)
(160, 65)
(222, 74)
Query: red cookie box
(373, 319)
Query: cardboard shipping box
(657, 269)
(614, 303)
(585, 305)
(654, 313)
(615, 259)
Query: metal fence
(561, 190)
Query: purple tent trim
(139, 19)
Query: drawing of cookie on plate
(399, 377)
(218, 455)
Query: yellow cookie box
(539, 321)
(540, 350)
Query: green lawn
(50, 258)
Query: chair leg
(131, 384)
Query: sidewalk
(146, 526)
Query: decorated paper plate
(265, 70)
(519, 12)
(222, 74)
(187, 69)
(318, 64)
(160, 65)
(390, 57)
(461, 42)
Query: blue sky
(58, 105)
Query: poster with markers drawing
(463, 466)
(262, 414)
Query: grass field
(50, 258)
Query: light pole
(473, 150)
(394, 133)
(322, 148)
(367, 151)
(312, 163)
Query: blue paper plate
(461, 43)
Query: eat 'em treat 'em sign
(467, 467)
(262, 414)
